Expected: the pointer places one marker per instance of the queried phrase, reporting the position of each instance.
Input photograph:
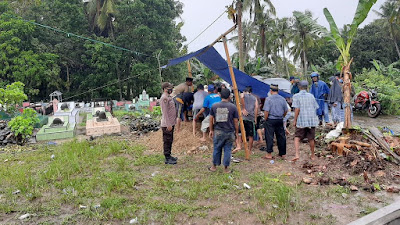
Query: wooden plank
(385, 146)
(363, 144)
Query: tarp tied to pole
(214, 61)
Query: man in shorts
(250, 111)
(199, 97)
(305, 118)
(212, 98)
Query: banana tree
(344, 62)
(343, 44)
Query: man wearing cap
(168, 121)
(320, 90)
(178, 94)
(305, 119)
(275, 109)
(224, 128)
(209, 101)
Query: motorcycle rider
(320, 90)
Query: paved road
(393, 122)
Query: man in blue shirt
(209, 101)
(320, 90)
(275, 109)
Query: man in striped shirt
(305, 118)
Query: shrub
(12, 95)
(22, 126)
(388, 91)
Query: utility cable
(69, 34)
(109, 84)
(207, 28)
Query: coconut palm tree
(101, 15)
(390, 14)
(284, 33)
(242, 5)
(303, 37)
(248, 39)
(265, 25)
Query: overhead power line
(69, 34)
(207, 27)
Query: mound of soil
(184, 141)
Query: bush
(22, 126)
(388, 91)
(12, 95)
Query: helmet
(314, 74)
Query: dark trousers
(168, 138)
(275, 127)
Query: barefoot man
(305, 118)
(209, 101)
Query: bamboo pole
(236, 93)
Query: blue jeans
(223, 140)
(326, 113)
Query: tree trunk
(262, 40)
(394, 41)
(284, 60)
(68, 83)
(304, 63)
(119, 81)
(239, 7)
(347, 91)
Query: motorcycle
(368, 100)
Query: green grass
(128, 182)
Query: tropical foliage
(11, 96)
(89, 49)
(388, 90)
(22, 125)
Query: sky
(198, 14)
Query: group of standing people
(309, 109)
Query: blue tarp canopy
(213, 60)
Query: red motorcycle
(368, 101)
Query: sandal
(230, 171)
(209, 169)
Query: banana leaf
(363, 8)
(335, 33)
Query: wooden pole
(190, 72)
(189, 69)
(235, 91)
(222, 36)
